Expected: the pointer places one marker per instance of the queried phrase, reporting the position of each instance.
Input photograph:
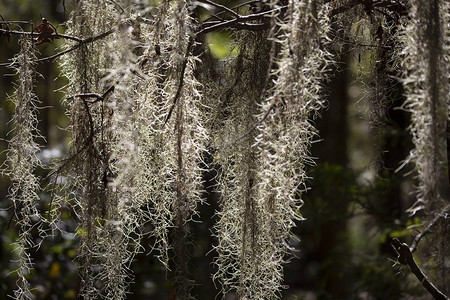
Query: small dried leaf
(45, 30)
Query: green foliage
(220, 44)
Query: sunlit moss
(22, 162)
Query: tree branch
(448, 149)
(225, 9)
(88, 141)
(217, 15)
(389, 5)
(239, 22)
(80, 43)
(181, 80)
(405, 257)
(99, 97)
(53, 35)
(417, 239)
(344, 8)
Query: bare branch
(417, 239)
(395, 7)
(80, 43)
(99, 97)
(405, 257)
(240, 22)
(234, 24)
(222, 7)
(181, 80)
(234, 7)
(345, 7)
(16, 22)
(53, 35)
(88, 141)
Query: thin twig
(181, 80)
(119, 6)
(216, 15)
(417, 239)
(344, 8)
(80, 43)
(393, 7)
(236, 25)
(222, 7)
(99, 97)
(52, 35)
(84, 97)
(16, 22)
(239, 22)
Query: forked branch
(405, 257)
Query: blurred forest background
(355, 206)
